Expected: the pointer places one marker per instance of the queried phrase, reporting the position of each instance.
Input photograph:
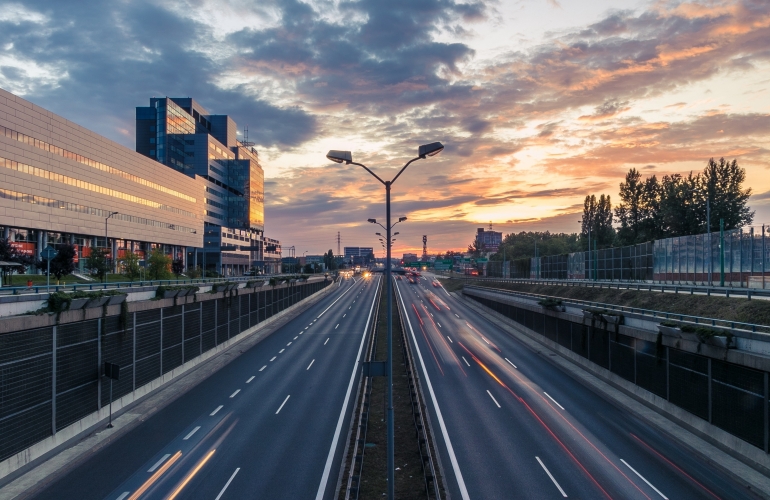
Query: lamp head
(378, 234)
(373, 221)
(340, 156)
(396, 233)
(431, 149)
(401, 219)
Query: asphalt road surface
(510, 424)
(269, 425)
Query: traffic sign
(482, 260)
(49, 253)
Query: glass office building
(181, 134)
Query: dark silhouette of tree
(721, 184)
(98, 262)
(64, 262)
(177, 267)
(597, 214)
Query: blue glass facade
(183, 135)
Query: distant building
(357, 255)
(488, 241)
(409, 257)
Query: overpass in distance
(273, 422)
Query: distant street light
(423, 152)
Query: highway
(270, 424)
(510, 424)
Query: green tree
(721, 184)
(522, 245)
(330, 261)
(129, 266)
(597, 214)
(639, 209)
(680, 205)
(64, 262)
(177, 267)
(9, 254)
(308, 269)
(98, 262)
(159, 265)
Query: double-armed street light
(346, 157)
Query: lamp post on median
(346, 157)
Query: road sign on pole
(112, 372)
(48, 254)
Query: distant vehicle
(249, 273)
(472, 272)
(398, 278)
(436, 284)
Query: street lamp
(423, 152)
(106, 241)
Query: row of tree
(676, 205)
(98, 264)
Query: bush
(550, 303)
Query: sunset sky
(538, 102)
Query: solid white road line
(549, 397)
(263, 368)
(157, 464)
(252, 378)
(284, 402)
(327, 340)
(234, 394)
(493, 399)
(191, 433)
(330, 458)
(311, 364)
(449, 339)
(643, 479)
(279, 352)
(227, 484)
(124, 495)
(215, 411)
(549, 475)
(466, 361)
(273, 358)
(509, 362)
(450, 449)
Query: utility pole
(338, 244)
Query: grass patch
(730, 309)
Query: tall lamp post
(106, 241)
(423, 152)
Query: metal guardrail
(726, 291)
(43, 288)
(686, 318)
(357, 459)
(418, 403)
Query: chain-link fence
(697, 260)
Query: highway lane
(519, 427)
(263, 426)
